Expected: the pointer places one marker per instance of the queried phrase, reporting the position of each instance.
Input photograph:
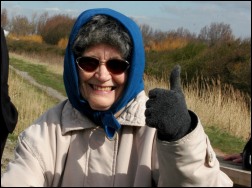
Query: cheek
(83, 76)
(120, 79)
(121, 83)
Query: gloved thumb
(175, 79)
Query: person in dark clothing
(9, 113)
(244, 157)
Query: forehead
(102, 49)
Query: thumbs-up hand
(166, 110)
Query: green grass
(219, 139)
(12, 137)
(40, 74)
(223, 141)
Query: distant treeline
(214, 52)
(230, 61)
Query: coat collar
(131, 115)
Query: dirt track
(50, 91)
(10, 146)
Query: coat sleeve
(190, 161)
(26, 168)
(40, 154)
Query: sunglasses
(114, 66)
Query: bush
(56, 28)
(23, 46)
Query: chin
(100, 108)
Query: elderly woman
(98, 136)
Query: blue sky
(160, 15)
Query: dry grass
(226, 108)
(33, 38)
(54, 63)
(29, 101)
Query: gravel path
(50, 91)
(8, 154)
(10, 145)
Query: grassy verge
(31, 102)
(41, 74)
(218, 135)
(225, 142)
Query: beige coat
(64, 148)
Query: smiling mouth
(100, 88)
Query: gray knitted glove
(166, 110)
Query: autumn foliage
(213, 53)
(32, 38)
(56, 28)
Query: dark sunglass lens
(88, 64)
(117, 66)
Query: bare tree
(185, 33)
(21, 26)
(147, 33)
(159, 36)
(42, 22)
(4, 18)
(34, 23)
(216, 32)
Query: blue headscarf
(134, 83)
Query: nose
(102, 73)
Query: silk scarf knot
(108, 121)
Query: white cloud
(52, 9)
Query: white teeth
(102, 88)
